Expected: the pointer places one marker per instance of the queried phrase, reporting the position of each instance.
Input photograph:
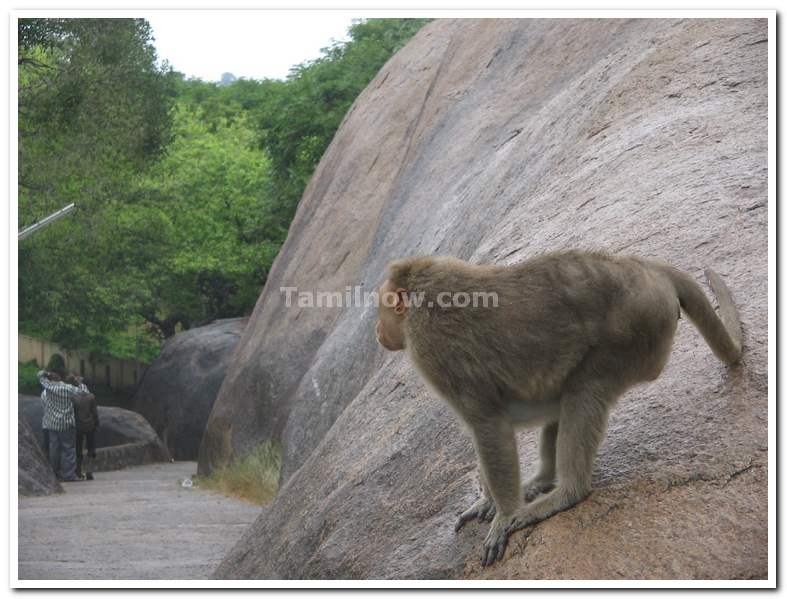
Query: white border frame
(363, 12)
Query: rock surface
(35, 475)
(180, 386)
(495, 141)
(124, 438)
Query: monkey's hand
(496, 541)
(483, 509)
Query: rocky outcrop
(178, 390)
(495, 141)
(123, 438)
(35, 476)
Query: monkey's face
(390, 322)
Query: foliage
(212, 191)
(93, 112)
(254, 477)
(133, 343)
(28, 381)
(93, 106)
(185, 189)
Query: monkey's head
(407, 279)
(392, 312)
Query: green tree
(185, 189)
(93, 112)
(213, 189)
(93, 106)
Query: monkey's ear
(400, 307)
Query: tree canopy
(185, 188)
(94, 111)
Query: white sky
(252, 44)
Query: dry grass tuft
(253, 478)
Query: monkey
(568, 334)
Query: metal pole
(27, 231)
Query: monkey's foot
(537, 486)
(483, 509)
(495, 542)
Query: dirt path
(138, 523)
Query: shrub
(28, 383)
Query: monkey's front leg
(484, 508)
(498, 461)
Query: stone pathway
(138, 523)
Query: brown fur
(570, 333)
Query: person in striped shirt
(59, 420)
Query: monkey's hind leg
(544, 480)
(583, 420)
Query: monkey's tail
(723, 335)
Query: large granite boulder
(178, 390)
(123, 438)
(35, 476)
(495, 141)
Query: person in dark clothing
(86, 423)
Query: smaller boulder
(124, 438)
(179, 388)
